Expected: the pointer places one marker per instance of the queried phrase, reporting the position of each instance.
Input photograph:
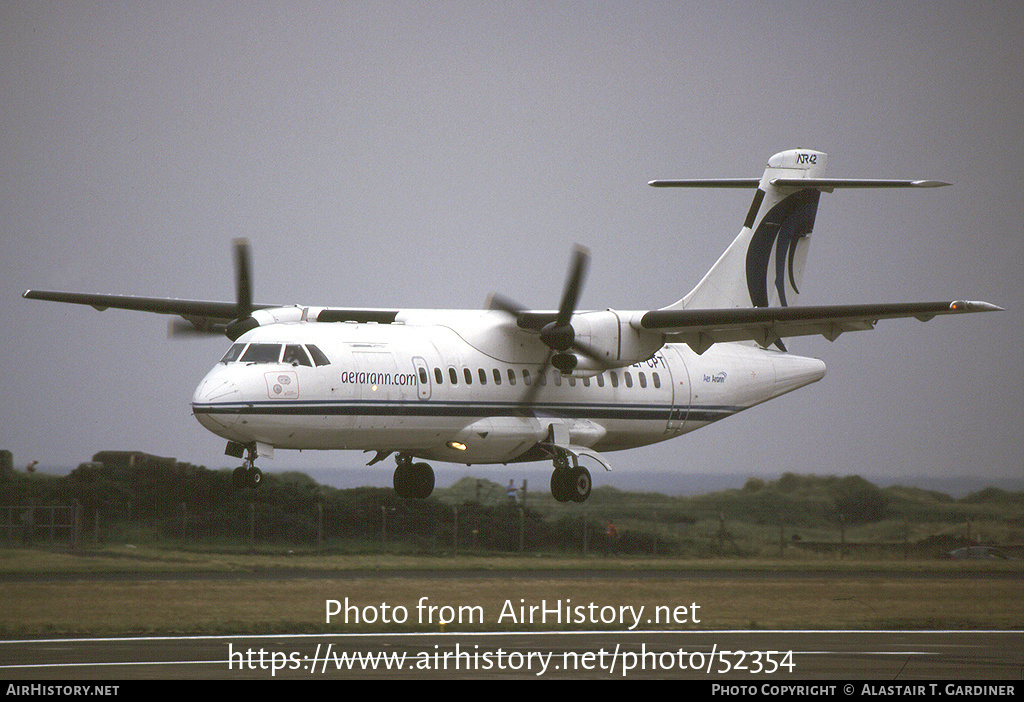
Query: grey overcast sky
(426, 154)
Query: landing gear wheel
(403, 479)
(560, 484)
(247, 475)
(579, 486)
(413, 480)
(570, 484)
(423, 479)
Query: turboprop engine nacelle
(611, 340)
(265, 317)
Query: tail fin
(763, 267)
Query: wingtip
(974, 306)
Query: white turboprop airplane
(507, 384)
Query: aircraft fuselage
(453, 390)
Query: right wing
(701, 328)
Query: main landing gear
(246, 475)
(570, 482)
(415, 480)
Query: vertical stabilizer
(763, 266)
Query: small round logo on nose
(277, 389)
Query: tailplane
(763, 267)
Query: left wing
(222, 312)
(701, 328)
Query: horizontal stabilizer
(829, 184)
(706, 183)
(826, 184)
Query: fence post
(455, 530)
(76, 525)
(586, 534)
(842, 536)
(319, 526)
(522, 528)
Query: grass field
(52, 594)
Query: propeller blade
(181, 328)
(573, 285)
(557, 334)
(499, 302)
(529, 397)
(590, 353)
(243, 278)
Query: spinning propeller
(242, 314)
(558, 335)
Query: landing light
(457, 445)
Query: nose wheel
(247, 475)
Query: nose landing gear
(246, 475)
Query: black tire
(402, 480)
(422, 480)
(560, 484)
(580, 484)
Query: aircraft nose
(212, 392)
(215, 389)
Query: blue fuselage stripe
(466, 409)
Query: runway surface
(736, 656)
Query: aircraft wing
(203, 316)
(221, 312)
(702, 328)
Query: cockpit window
(262, 353)
(295, 355)
(233, 353)
(318, 356)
